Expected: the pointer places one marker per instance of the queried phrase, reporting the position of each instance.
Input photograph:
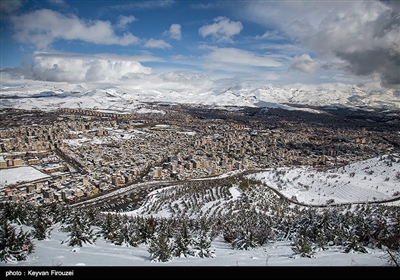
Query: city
(87, 153)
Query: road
(132, 196)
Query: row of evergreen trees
(165, 237)
(257, 218)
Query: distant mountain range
(52, 96)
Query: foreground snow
(52, 253)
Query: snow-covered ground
(339, 184)
(103, 253)
(23, 173)
(375, 179)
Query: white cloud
(222, 30)
(155, 43)
(76, 68)
(43, 27)
(268, 34)
(123, 21)
(304, 63)
(228, 58)
(174, 31)
(363, 34)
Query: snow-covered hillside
(375, 179)
(224, 195)
(50, 253)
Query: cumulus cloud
(363, 34)
(367, 37)
(304, 63)
(76, 68)
(174, 31)
(222, 30)
(228, 58)
(123, 21)
(159, 44)
(43, 27)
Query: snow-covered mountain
(51, 95)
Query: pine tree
(148, 228)
(353, 244)
(160, 248)
(22, 212)
(245, 240)
(303, 246)
(80, 231)
(60, 213)
(14, 246)
(108, 227)
(25, 244)
(41, 224)
(203, 245)
(9, 211)
(134, 237)
(7, 238)
(121, 231)
(183, 241)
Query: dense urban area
(87, 153)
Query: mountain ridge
(47, 96)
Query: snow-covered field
(23, 173)
(103, 253)
(375, 179)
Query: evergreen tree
(203, 245)
(183, 241)
(160, 248)
(41, 223)
(245, 240)
(60, 213)
(148, 228)
(108, 227)
(9, 211)
(80, 231)
(353, 244)
(134, 237)
(7, 238)
(22, 211)
(303, 246)
(14, 246)
(121, 231)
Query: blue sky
(254, 41)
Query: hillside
(224, 200)
(375, 179)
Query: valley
(84, 154)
